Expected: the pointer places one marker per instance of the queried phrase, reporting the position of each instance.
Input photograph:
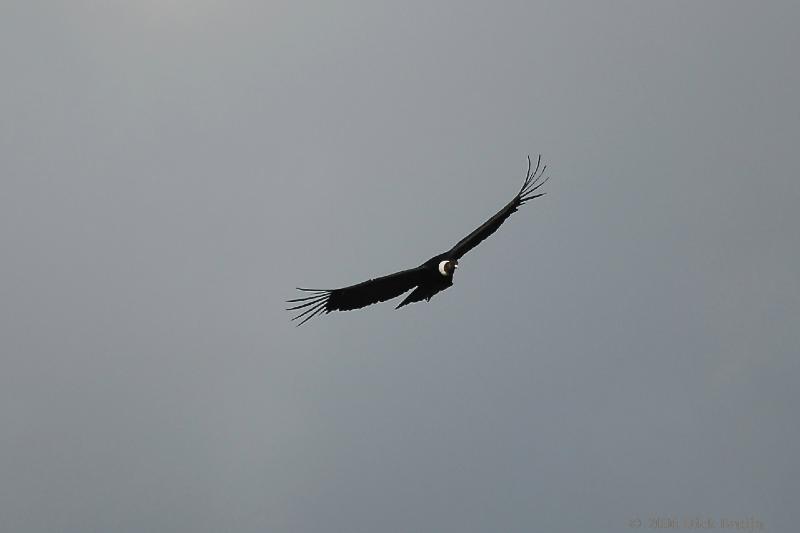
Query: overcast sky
(624, 348)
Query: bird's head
(446, 268)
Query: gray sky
(625, 347)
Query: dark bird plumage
(428, 279)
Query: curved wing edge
(534, 179)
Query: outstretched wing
(356, 296)
(533, 180)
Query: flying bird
(428, 279)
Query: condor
(428, 279)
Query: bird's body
(428, 279)
(435, 276)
